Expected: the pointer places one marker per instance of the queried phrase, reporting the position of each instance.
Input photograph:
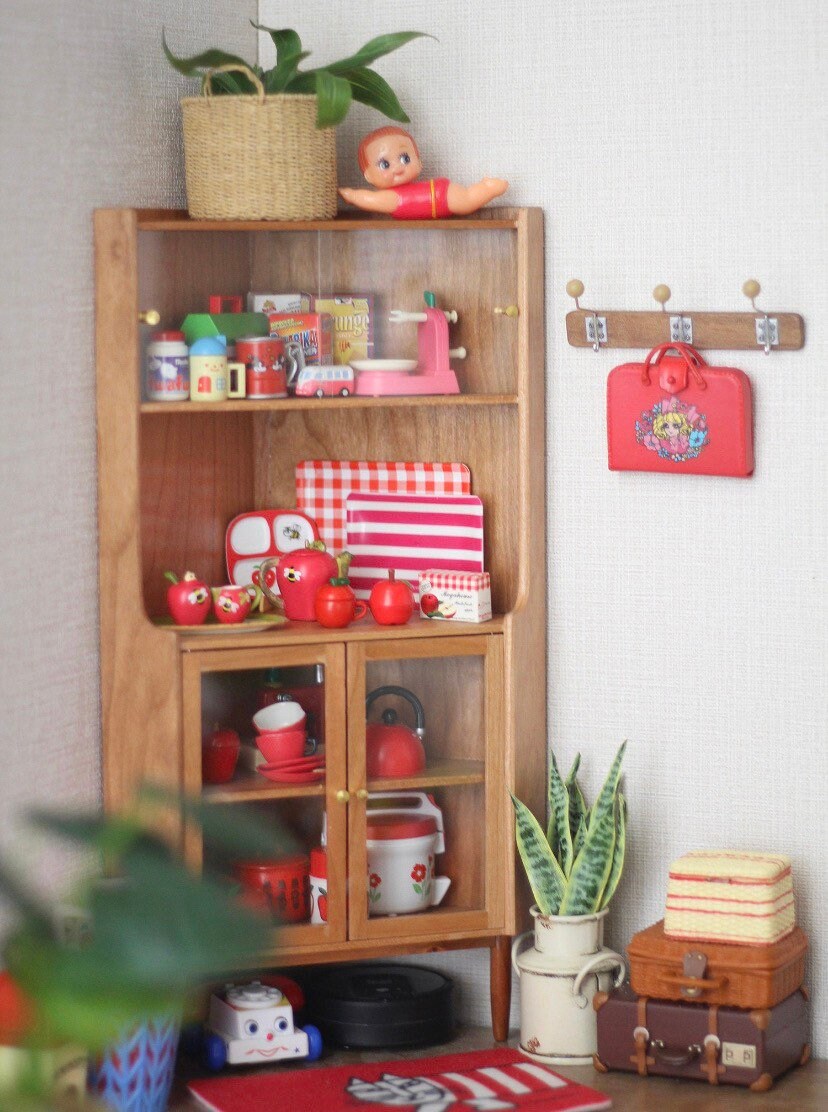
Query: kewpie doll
(390, 161)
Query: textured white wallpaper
(673, 141)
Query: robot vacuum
(373, 1004)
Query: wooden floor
(801, 1090)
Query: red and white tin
(460, 596)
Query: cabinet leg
(500, 986)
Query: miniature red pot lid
(387, 828)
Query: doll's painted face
(392, 160)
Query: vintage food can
(167, 368)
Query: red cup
(285, 745)
(231, 604)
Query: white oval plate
(383, 364)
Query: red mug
(265, 360)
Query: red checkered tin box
(461, 596)
(729, 896)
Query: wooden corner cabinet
(172, 475)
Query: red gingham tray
(322, 485)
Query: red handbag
(675, 413)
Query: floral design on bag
(673, 430)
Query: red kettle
(393, 750)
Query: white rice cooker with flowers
(404, 836)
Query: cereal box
(313, 331)
(461, 596)
(279, 302)
(353, 324)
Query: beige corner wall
(670, 141)
(675, 141)
(90, 118)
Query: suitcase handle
(689, 354)
(674, 1057)
(695, 986)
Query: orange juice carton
(279, 302)
(460, 596)
(353, 324)
(312, 331)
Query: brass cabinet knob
(508, 311)
(362, 793)
(342, 796)
(149, 316)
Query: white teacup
(286, 715)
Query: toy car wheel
(320, 393)
(215, 1052)
(344, 392)
(314, 1042)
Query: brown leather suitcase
(732, 1046)
(716, 972)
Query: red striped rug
(495, 1080)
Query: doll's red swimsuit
(422, 200)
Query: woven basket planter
(257, 157)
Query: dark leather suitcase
(733, 1046)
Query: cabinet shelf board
(396, 401)
(248, 788)
(178, 220)
(309, 633)
(441, 774)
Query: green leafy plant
(156, 931)
(574, 868)
(336, 85)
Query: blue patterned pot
(136, 1074)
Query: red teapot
(392, 749)
(299, 575)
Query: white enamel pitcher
(558, 977)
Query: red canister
(265, 364)
(281, 887)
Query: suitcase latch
(695, 967)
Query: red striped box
(730, 896)
(411, 533)
(455, 596)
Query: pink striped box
(411, 533)
(455, 596)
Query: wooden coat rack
(621, 328)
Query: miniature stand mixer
(431, 374)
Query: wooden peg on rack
(595, 327)
(611, 328)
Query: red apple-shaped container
(391, 601)
(219, 754)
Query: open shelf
(397, 401)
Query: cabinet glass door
(425, 808)
(284, 777)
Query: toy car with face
(252, 1024)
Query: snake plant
(335, 85)
(574, 867)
